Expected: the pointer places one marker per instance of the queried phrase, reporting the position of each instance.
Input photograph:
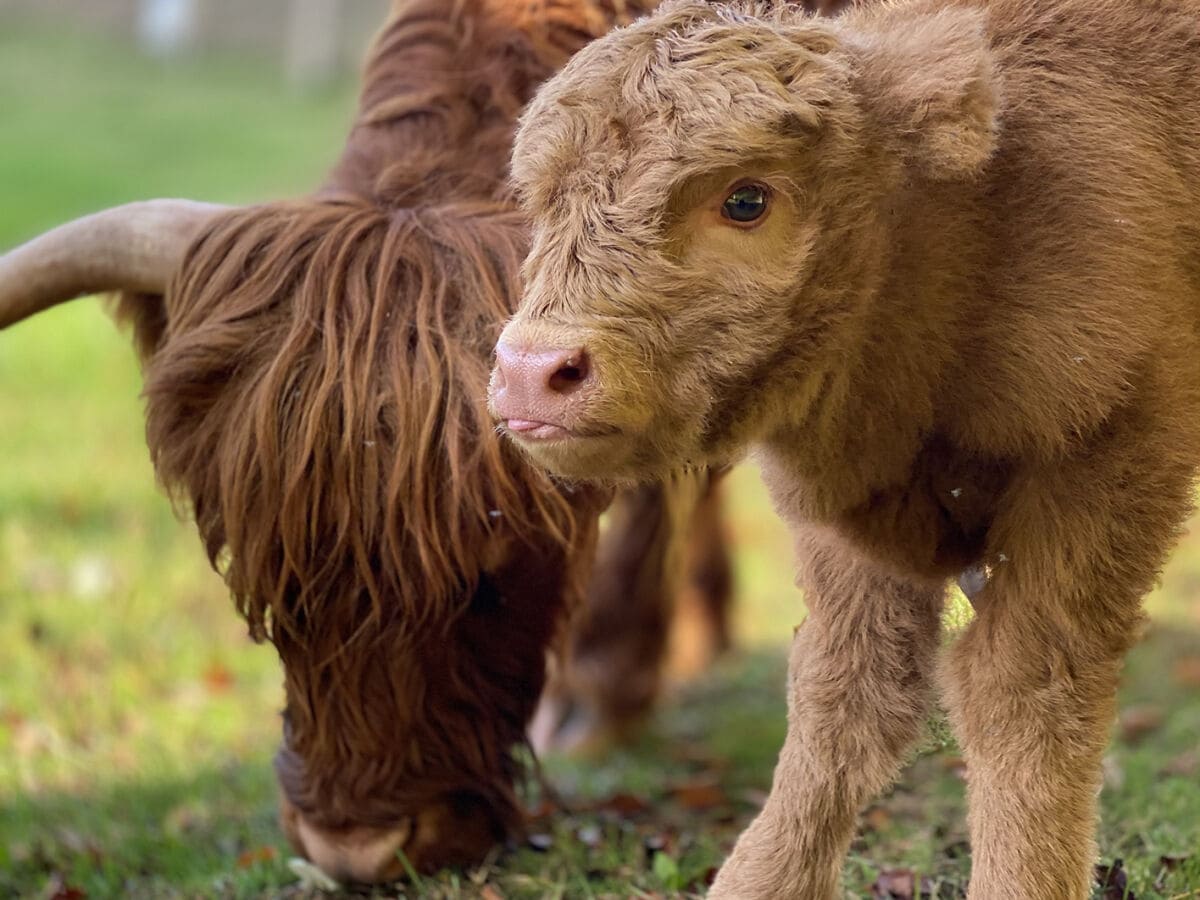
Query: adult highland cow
(315, 372)
(938, 262)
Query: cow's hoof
(567, 725)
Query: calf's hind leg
(1031, 685)
(859, 682)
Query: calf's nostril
(570, 374)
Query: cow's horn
(136, 247)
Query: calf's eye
(746, 204)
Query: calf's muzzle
(537, 391)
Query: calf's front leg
(1031, 685)
(858, 691)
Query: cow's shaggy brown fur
(339, 461)
(314, 382)
(966, 333)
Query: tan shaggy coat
(965, 335)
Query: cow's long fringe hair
(315, 386)
(323, 410)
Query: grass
(136, 719)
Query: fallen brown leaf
(901, 884)
(250, 858)
(1138, 721)
(12, 719)
(955, 765)
(1172, 861)
(1169, 863)
(623, 804)
(543, 810)
(187, 817)
(490, 893)
(217, 678)
(1112, 881)
(877, 818)
(699, 795)
(1186, 671)
(1185, 765)
(57, 888)
(698, 757)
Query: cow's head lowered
(315, 373)
(710, 191)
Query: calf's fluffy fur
(963, 336)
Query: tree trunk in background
(313, 47)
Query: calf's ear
(927, 79)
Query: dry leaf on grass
(1173, 861)
(249, 858)
(544, 809)
(1185, 765)
(623, 805)
(1186, 671)
(217, 678)
(1112, 881)
(901, 884)
(57, 888)
(955, 765)
(877, 818)
(1169, 863)
(697, 796)
(1138, 721)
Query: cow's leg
(617, 642)
(1032, 683)
(700, 626)
(859, 683)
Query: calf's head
(710, 192)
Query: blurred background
(311, 41)
(137, 721)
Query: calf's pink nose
(535, 385)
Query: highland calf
(938, 263)
(315, 376)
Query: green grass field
(137, 720)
